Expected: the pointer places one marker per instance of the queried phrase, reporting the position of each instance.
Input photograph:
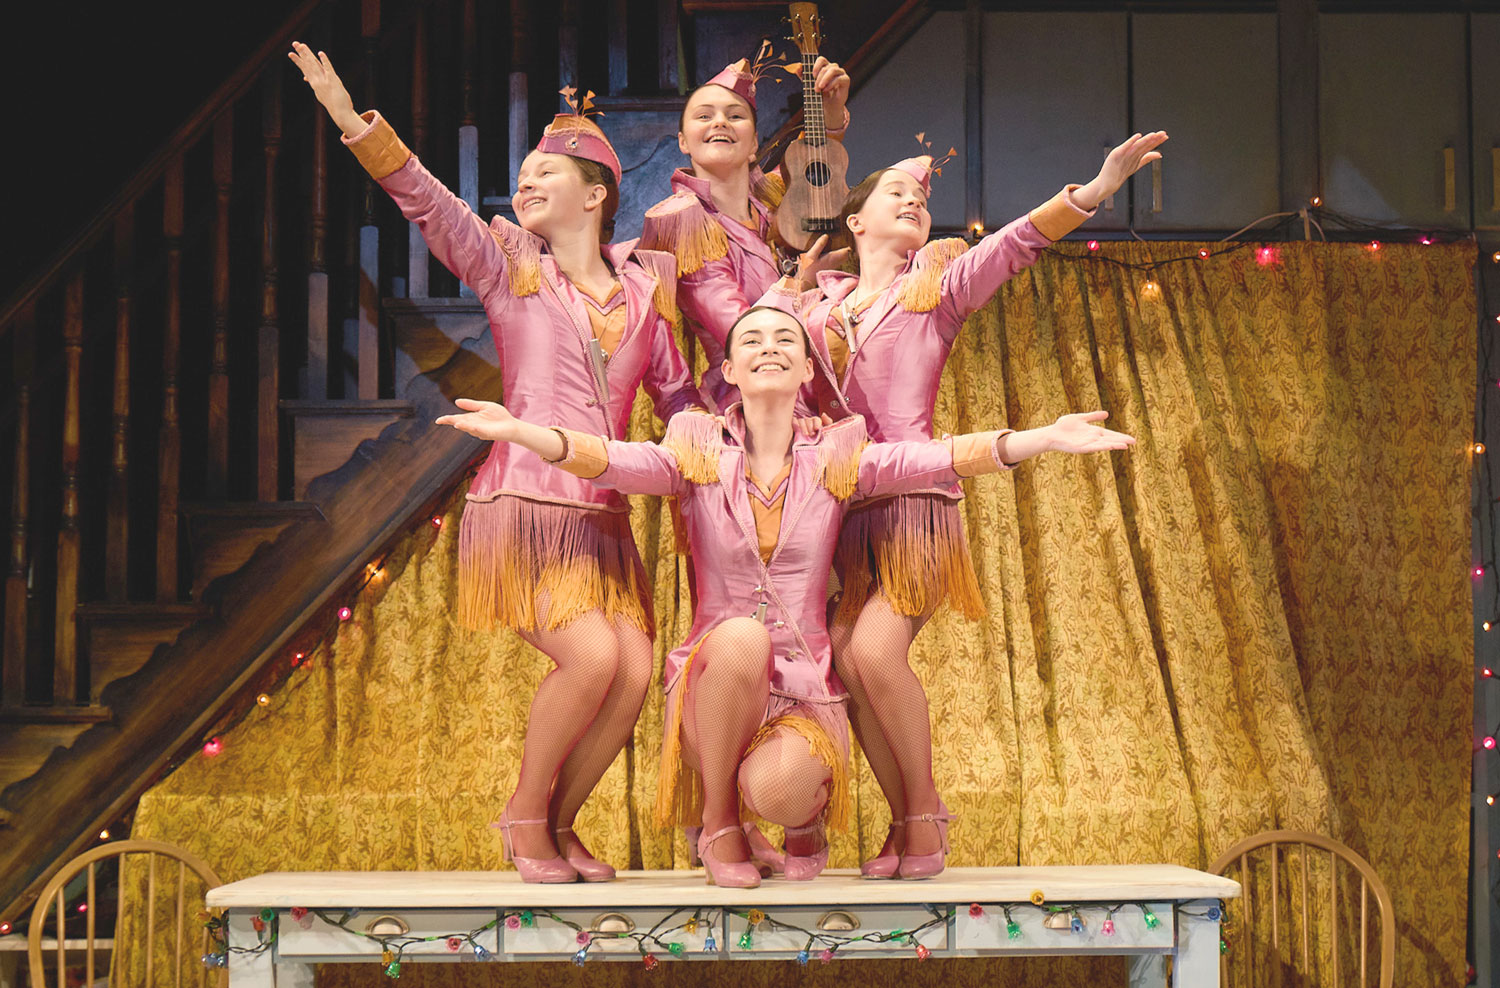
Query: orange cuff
(975, 453)
(583, 456)
(1058, 216)
(377, 147)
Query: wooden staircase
(272, 366)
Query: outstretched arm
(972, 279)
(457, 237)
(894, 468)
(632, 468)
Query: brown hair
(729, 337)
(853, 203)
(596, 174)
(682, 117)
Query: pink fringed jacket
(541, 327)
(723, 266)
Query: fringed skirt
(823, 725)
(912, 550)
(513, 552)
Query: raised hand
(484, 420)
(813, 260)
(317, 72)
(1124, 161)
(830, 79)
(1081, 432)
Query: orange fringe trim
(696, 439)
(839, 448)
(910, 549)
(922, 289)
(769, 189)
(512, 551)
(681, 226)
(523, 258)
(825, 751)
(679, 789)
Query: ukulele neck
(814, 127)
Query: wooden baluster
(65, 640)
(1248, 936)
(369, 234)
(468, 121)
(169, 448)
(150, 913)
(117, 509)
(268, 394)
(520, 65)
(1364, 931)
(619, 33)
(13, 684)
(666, 45)
(317, 261)
(216, 484)
(181, 904)
(416, 247)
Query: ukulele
(815, 166)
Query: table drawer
(324, 939)
(988, 932)
(557, 937)
(772, 936)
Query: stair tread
(378, 406)
(99, 610)
(275, 510)
(93, 714)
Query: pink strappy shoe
(767, 858)
(806, 867)
(550, 871)
(884, 865)
(726, 874)
(589, 868)
(928, 865)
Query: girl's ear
(595, 198)
(853, 222)
(728, 371)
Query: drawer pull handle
(389, 926)
(612, 923)
(838, 920)
(1058, 921)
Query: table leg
(1195, 963)
(1148, 971)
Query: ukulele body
(815, 184)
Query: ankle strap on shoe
(707, 841)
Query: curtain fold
(1258, 618)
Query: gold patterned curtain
(1258, 618)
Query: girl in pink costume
(720, 220)
(755, 708)
(880, 340)
(579, 324)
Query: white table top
(497, 889)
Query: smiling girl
(880, 339)
(579, 324)
(720, 220)
(755, 708)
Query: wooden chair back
(1286, 857)
(167, 867)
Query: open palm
(1081, 432)
(482, 419)
(1127, 159)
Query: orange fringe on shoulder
(523, 257)
(922, 289)
(696, 439)
(910, 549)
(681, 226)
(513, 551)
